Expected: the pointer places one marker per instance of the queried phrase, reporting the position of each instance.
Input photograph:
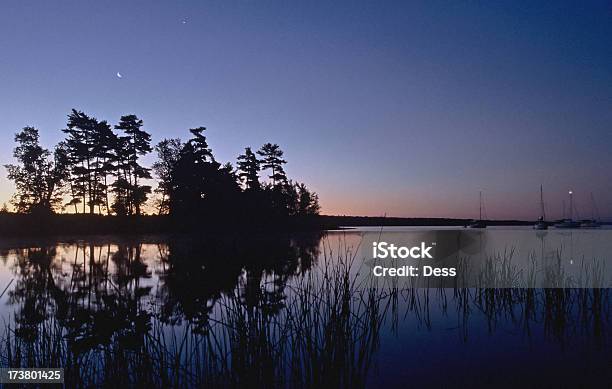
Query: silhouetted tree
(168, 154)
(308, 202)
(272, 159)
(285, 199)
(189, 173)
(222, 190)
(201, 186)
(199, 146)
(106, 142)
(39, 176)
(121, 186)
(229, 173)
(191, 170)
(248, 169)
(133, 145)
(194, 187)
(87, 147)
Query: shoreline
(29, 225)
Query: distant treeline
(380, 221)
(97, 169)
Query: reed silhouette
(253, 311)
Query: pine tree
(248, 169)
(105, 148)
(190, 174)
(199, 146)
(132, 146)
(168, 153)
(308, 202)
(272, 159)
(85, 155)
(121, 185)
(201, 186)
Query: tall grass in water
(499, 271)
(321, 328)
(323, 333)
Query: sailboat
(541, 223)
(593, 223)
(479, 223)
(569, 223)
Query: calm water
(300, 311)
(501, 256)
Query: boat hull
(590, 225)
(567, 224)
(540, 226)
(478, 224)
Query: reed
(321, 327)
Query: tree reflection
(275, 311)
(197, 274)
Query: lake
(304, 310)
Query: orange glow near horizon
(407, 204)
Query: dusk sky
(380, 107)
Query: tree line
(97, 169)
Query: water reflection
(278, 311)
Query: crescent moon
(119, 75)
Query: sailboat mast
(571, 207)
(594, 212)
(480, 203)
(543, 213)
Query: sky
(396, 108)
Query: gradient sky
(381, 107)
